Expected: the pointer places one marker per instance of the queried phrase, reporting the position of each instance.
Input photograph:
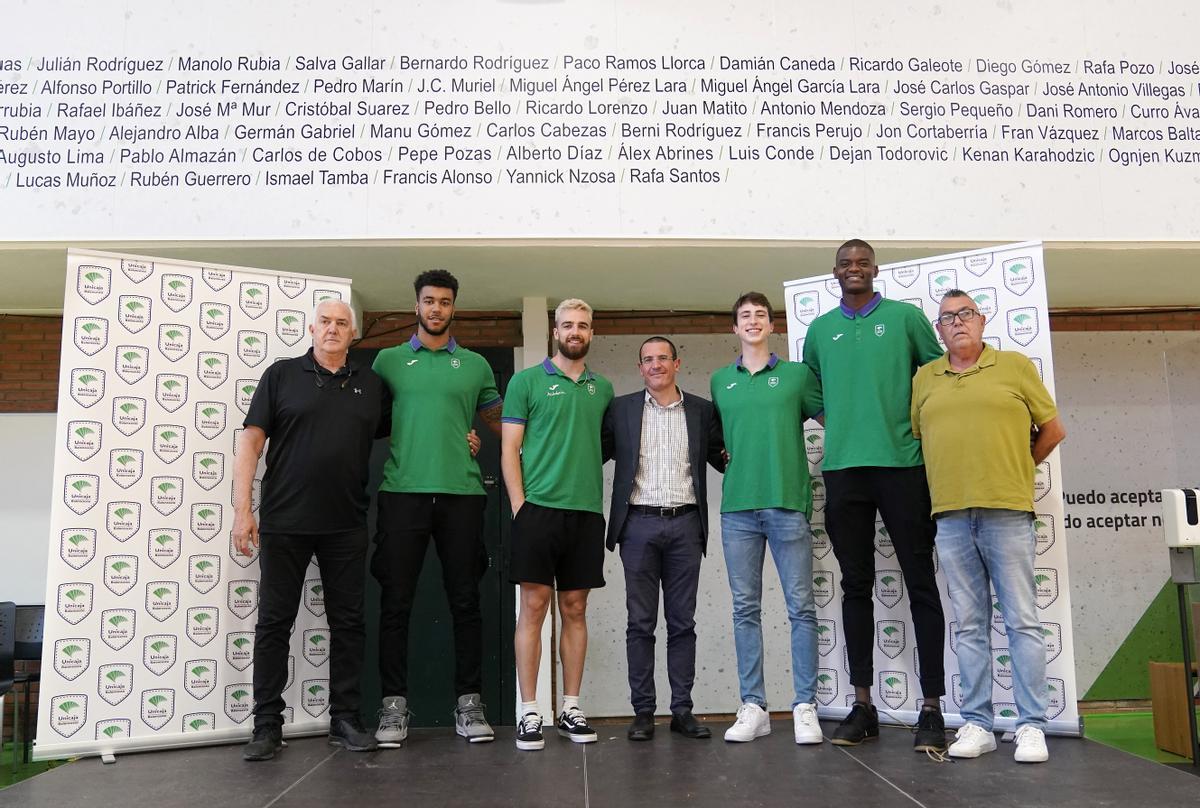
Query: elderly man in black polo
(322, 412)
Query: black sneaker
(573, 724)
(861, 725)
(349, 734)
(267, 740)
(931, 731)
(529, 732)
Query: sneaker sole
(258, 758)
(962, 756)
(579, 738)
(349, 747)
(475, 739)
(808, 741)
(926, 747)
(756, 736)
(848, 742)
(531, 746)
(389, 744)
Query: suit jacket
(622, 436)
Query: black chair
(27, 647)
(8, 632)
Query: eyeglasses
(965, 315)
(321, 383)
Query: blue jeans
(745, 535)
(981, 545)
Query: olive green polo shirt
(435, 395)
(974, 429)
(865, 360)
(561, 460)
(763, 415)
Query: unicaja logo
(158, 653)
(314, 597)
(1042, 481)
(112, 729)
(117, 627)
(239, 649)
(162, 599)
(214, 320)
(827, 685)
(202, 622)
(822, 587)
(1023, 325)
(906, 275)
(289, 326)
(216, 279)
(820, 542)
(174, 340)
(137, 271)
(1043, 528)
(131, 363)
(129, 414)
(199, 722)
(942, 280)
(245, 392)
(166, 494)
(883, 541)
(87, 386)
(91, 334)
(68, 713)
(253, 299)
(208, 469)
(806, 305)
(1002, 668)
(243, 598)
(125, 467)
(239, 701)
(120, 573)
(206, 520)
(889, 636)
(1045, 581)
(978, 265)
(171, 391)
(77, 546)
(158, 707)
(133, 312)
(893, 688)
(204, 572)
(826, 636)
(72, 657)
(123, 520)
(176, 292)
(889, 587)
(314, 696)
(74, 601)
(114, 682)
(292, 287)
(199, 677)
(1018, 274)
(316, 646)
(170, 442)
(1052, 638)
(84, 438)
(212, 368)
(985, 301)
(93, 283)
(164, 545)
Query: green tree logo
(1017, 269)
(161, 592)
(114, 675)
(891, 630)
(1021, 319)
(68, 706)
(888, 580)
(242, 591)
(171, 384)
(208, 461)
(942, 280)
(131, 356)
(79, 485)
(116, 620)
(77, 539)
(84, 431)
(238, 695)
(112, 730)
(162, 540)
(119, 567)
(90, 327)
(205, 513)
(201, 617)
(157, 700)
(121, 513)
(86, 378)
(74, 594)
(165, 487)
(133, 306)
(204, 565)
(197, 723)
(71, 650)
(241, 642)
(212, 361)
(891, 681)
(315, 689)
(317, 639)
(159, 646)
(92, 277)
(199, 670)
(176, 285)
(290, 320)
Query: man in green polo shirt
(973, 410)
(551, 458)
(432, 488)
(766, 501)
(865, 352)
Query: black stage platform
(437, 768)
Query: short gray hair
(338, 301)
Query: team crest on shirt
(591, 388)
(773, 381)
(879, 329)
(455, 362)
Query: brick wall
(30, 356)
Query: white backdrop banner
(149, 610)
(1008, 285)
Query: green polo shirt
(435, 395)
(763, 417)
(561, 462)
(974, 428)
(865, 360)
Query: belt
(665, 513)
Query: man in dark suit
(661, 438)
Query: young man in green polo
(432, 488)
(551, 458)
(865, 352)
(766, 501)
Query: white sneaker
(804, 721)
(1031, 745)
(752, 722)
(972, 741)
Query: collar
(416, 344)
(309, 363)
(552, 370)
(941, 365)
(870, 306)
(650, 400)
(771, 362)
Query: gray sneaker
(393, 722)
(469, 720)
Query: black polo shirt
(320, 427)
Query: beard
(574, 351)
(431, 330)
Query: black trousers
(661, 552)
(901, 496)
(283, 560)
(406, 522)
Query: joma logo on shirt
(554, 391)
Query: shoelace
(393, 718)
(575, 717)
(531, 722)
(932, 754)
(745, 714)
(473, 714)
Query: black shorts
(557, 547)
